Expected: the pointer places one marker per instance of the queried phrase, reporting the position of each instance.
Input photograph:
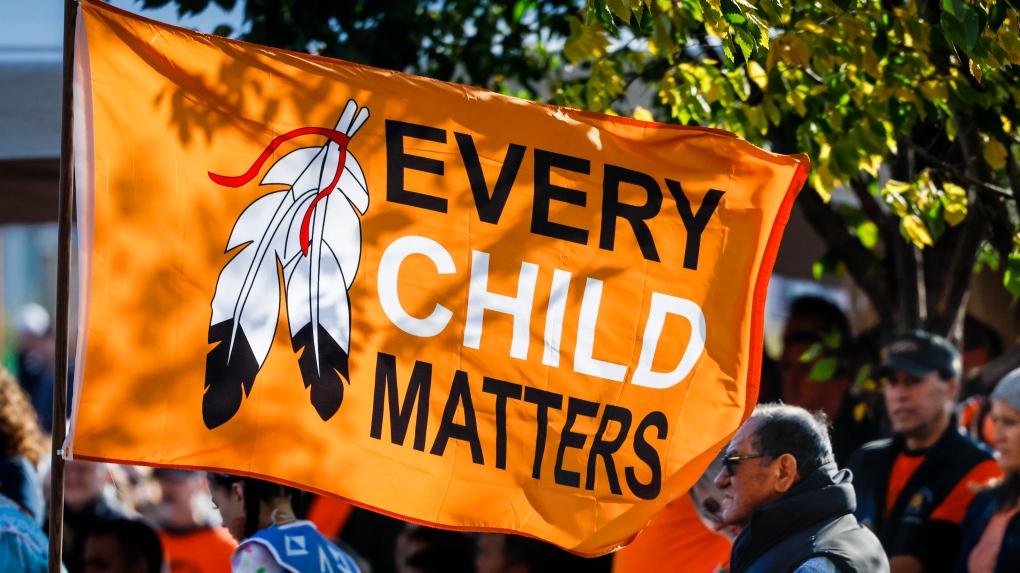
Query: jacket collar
(822, 495)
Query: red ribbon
(340, 139)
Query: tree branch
(960, 176)
(864, 267)
(961, 270)
(1013, 175)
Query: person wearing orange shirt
(913, 490)
(687, 535)
(191, 543)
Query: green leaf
(619, 10)
(833, 339)
(863, 375)
(814, 351)
(519, 9)
(727, 48)
(823, 370)
(987, 257)
(971, 26)
(746, 43)
(223, 30)
(1012, 276)
(867, 233)
(997, 15)
(827, 264)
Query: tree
(487, 43)
(918, 95)
(926, 90)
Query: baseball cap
(921, 353)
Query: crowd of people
(866, 453)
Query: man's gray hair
(785, 429)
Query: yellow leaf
(954, 199)
(934, 90)
(809, 26)
(897, 187)
(584, 42)
(790, 49)
(822, 181)
(860, 411)
(995, 154)
(893, 193)
(757, 74)
(975, 70)
(643, 114)
(924, 192)
(1010, 41)
(619, 10)
(870, 62)
(913, 229)
(796, 99)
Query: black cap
(921, 353)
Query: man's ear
(954, 387)
(786, 469)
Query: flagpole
(64, 207)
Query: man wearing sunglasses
(781, 486)
(914, 489)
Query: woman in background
(991, 530)
(260, 515)
(21, 446)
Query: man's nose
(722, 480)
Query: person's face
(917, 404)
(490, 558)
(103, 554)
(1006, 436)
(752, 485)
(798, 387)
(177, 501)
(83, 482)
(230, 503)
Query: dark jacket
(909, 529)
(813, 519)
(978, 515)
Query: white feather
(316, 284)
(341, 229)
(292, 241)
(255, 219)
(358, 122)
(352, 183)
(344, 123)
(288, 168)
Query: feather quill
(313, 231)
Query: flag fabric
(438, 302)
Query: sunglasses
(731, 462)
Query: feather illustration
(313, 231)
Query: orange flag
(445, 304)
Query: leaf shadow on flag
(231, 94)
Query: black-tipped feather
(324, 378)
(225, 380)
